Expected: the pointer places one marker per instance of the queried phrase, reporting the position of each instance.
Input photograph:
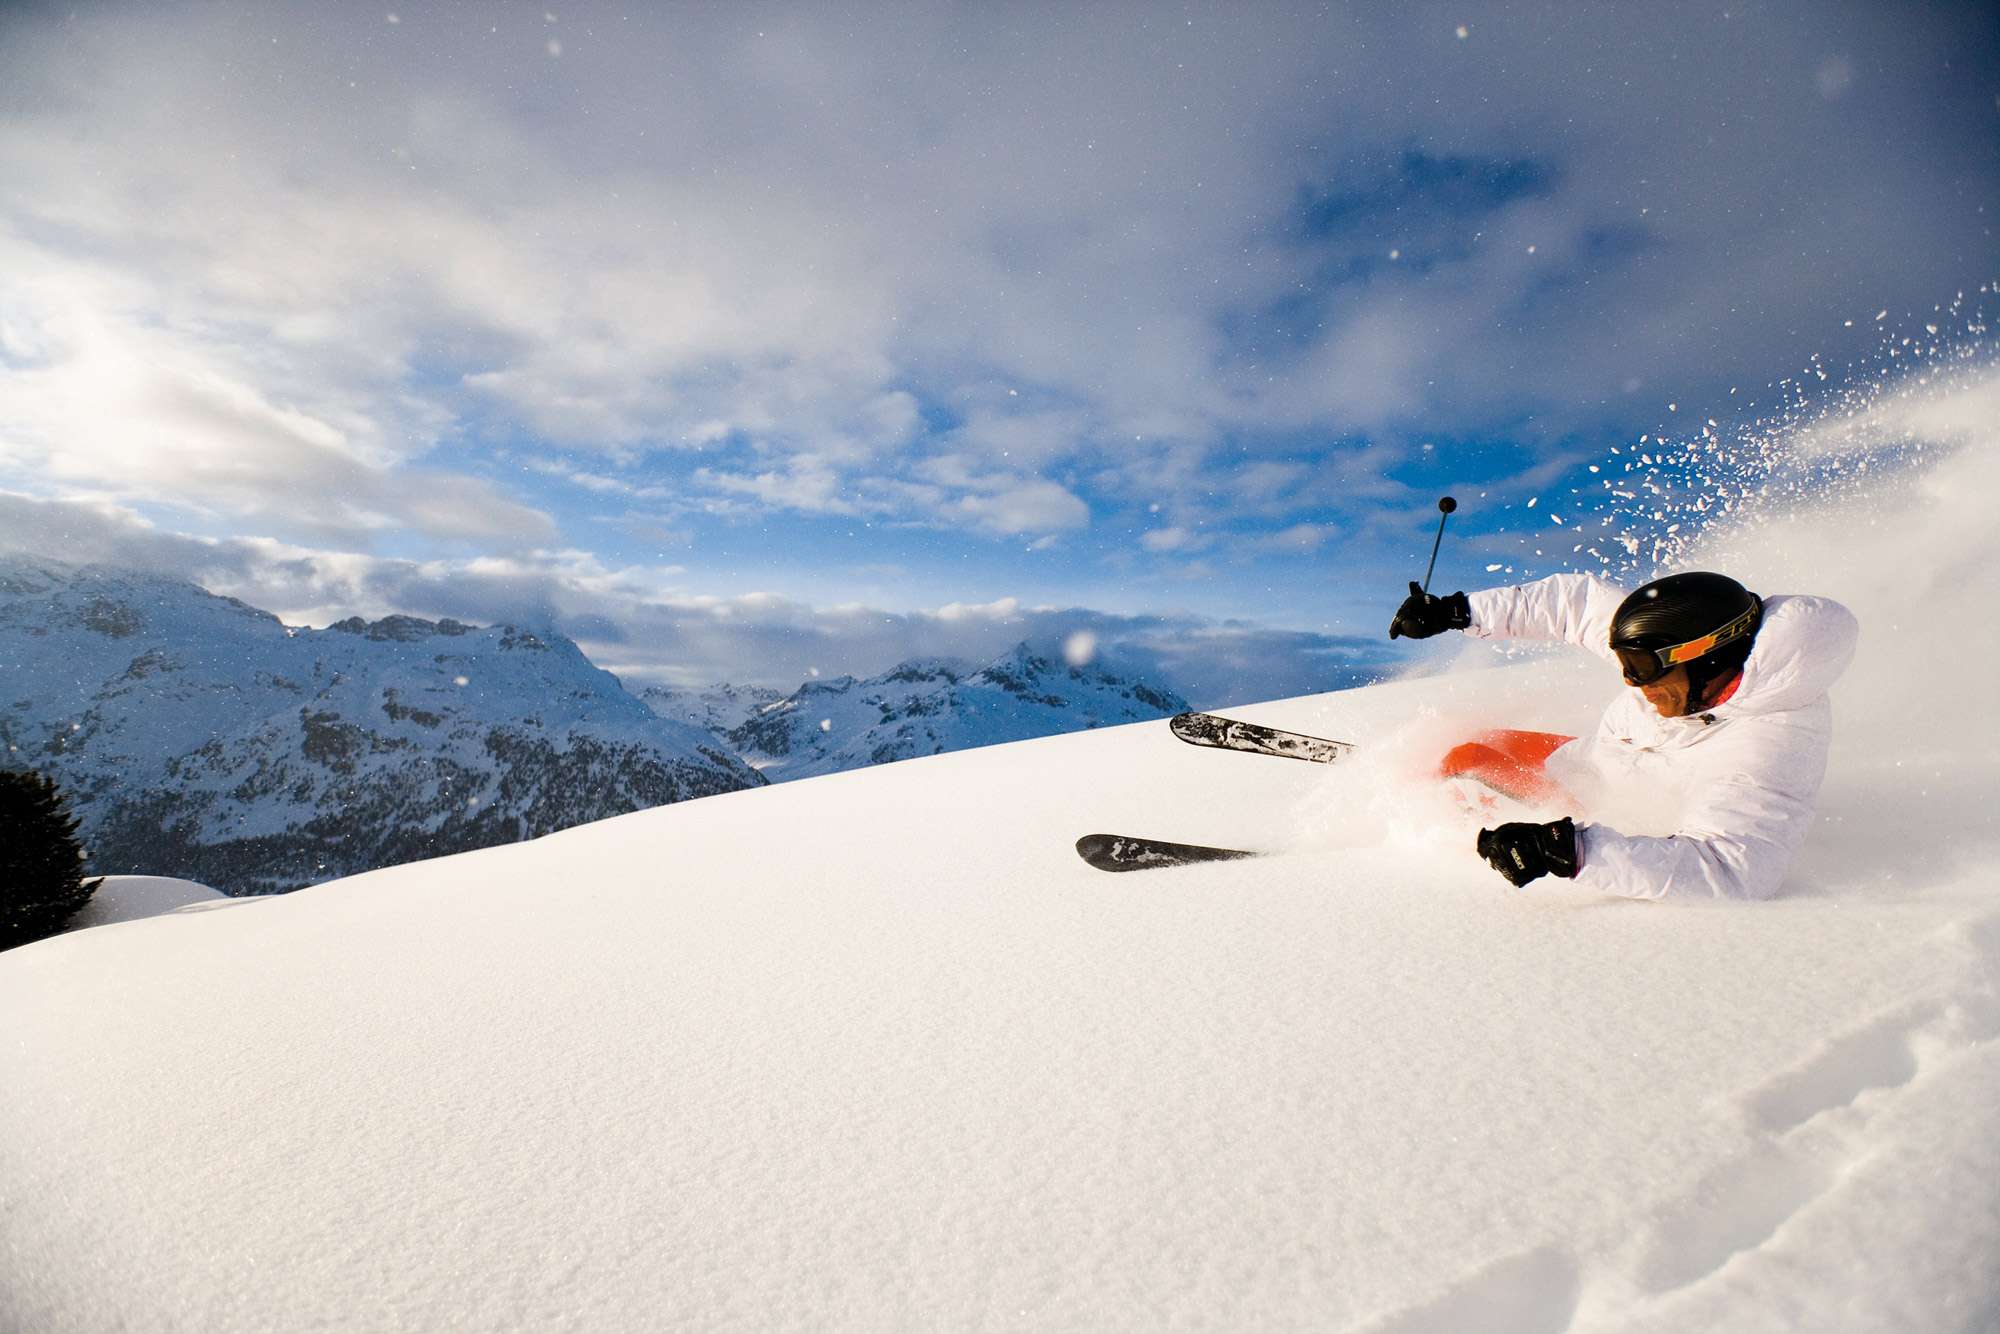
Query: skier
(1727, 713)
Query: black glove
(1425, 614)
(1522, 851)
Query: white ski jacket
(1746, 773)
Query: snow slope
(875, 1051)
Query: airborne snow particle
(1463, 32)
(461, 680)
(555, 47)
(1834, 77)
(1080, 649)
(826, 724)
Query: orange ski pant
(1509, 762)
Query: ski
(1115, 852)
(1208, 729)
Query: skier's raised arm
(1572, 608)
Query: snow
(875, 1051)
(127, 898)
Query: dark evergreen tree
(41, 863)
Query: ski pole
(1445, 506)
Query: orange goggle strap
(1673, 656)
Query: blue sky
(743, 341)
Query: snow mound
(128, 898)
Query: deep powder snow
(874, 1051)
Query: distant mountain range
(932, 705)
(199, 737)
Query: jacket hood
(1803, 646)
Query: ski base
(1116, 852)
(1208, 729)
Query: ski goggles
(1643, 666)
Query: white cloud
(641, 621)
(804, 486)
(112, 404)
(1300, 538)
(310, 261)
(1024, 506)
(1002, 609)
(1025, 438)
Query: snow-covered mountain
(932, 705)
(199, 737)
(718, 708)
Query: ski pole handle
(1445, 506)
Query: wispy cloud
(105, 400)
(1008, 275)
(640, 621)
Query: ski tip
(1101, 851)
(1093, 847)
(1121, 852)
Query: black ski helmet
(1704, 621)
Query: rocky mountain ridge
(199, 737)
(931, 705)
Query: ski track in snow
(1668, 1274)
